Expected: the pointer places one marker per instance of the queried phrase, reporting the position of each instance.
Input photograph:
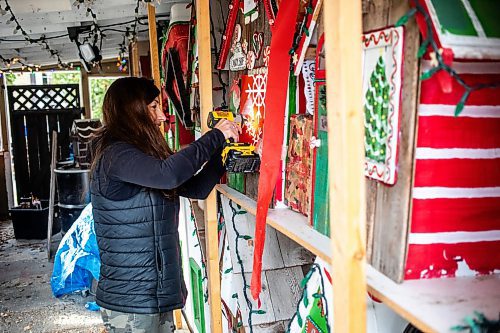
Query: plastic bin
(30, 223)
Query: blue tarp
(77, 259)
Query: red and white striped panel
(455, 229)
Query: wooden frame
(205, 75)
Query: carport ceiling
(53, 17)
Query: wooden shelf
(435, 305)
(432, 305)
(291, 224)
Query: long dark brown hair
(126, 118)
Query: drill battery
(236, 156)
(240, 157)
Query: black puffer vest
(141, 270)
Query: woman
(135, 189)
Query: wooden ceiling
(53, 17)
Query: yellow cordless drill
(236, 156)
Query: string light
(437, 54)
(40, 41)
(315, 267)
(17, 60)
(96, 33)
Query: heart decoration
(257, 42)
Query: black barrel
(73, 190)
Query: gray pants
(120, 322)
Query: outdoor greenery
(98, 85)
(98, 88)
(64, 78)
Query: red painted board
(439, 260)
(445, 215)
(458, 172)
(431, 92)
(458, 132)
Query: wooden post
(153, 50)
(211, 232)
(3, 117)
(52, 195)
(153, 44)
(134, 59)
(346, 150)
(86, 94)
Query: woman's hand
(230, 129)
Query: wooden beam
(211, 232)
(3, 117)
(153, 50)
(134, 59)
(86, 93)
(153, 45)
(345, 175)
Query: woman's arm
(127, 163)
(200, 186)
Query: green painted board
(236, 181)
(197, 295)
(321, 221)
(453, 17)
(487, 12)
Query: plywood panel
(285, 291)
(392, 211)
(245, 224)
(265, 298)
(375, 16)
(292, 253)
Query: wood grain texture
(292, 253)
(211, 230)
(375, 16)
(346, 150)
(265, 298)
(285, 291)
(435, 305)
(393, 204)
(245, 225)
(292, 224)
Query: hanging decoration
(251, 60)
(257, 43)
(250, 11)
(299, 164)
(442, 56)
(382, 81)
(320, 207)
(238, 60)
(252, 108)
(273, 131)
(227, 37)
(306, 33)
(314, 309)
(271, 8)
(267, 52)
(235, 96)
(308, 74)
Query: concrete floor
(26, 300)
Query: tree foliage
(98, 88)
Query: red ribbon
(275, 104)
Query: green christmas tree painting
(376, 113)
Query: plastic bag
(77, 259)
